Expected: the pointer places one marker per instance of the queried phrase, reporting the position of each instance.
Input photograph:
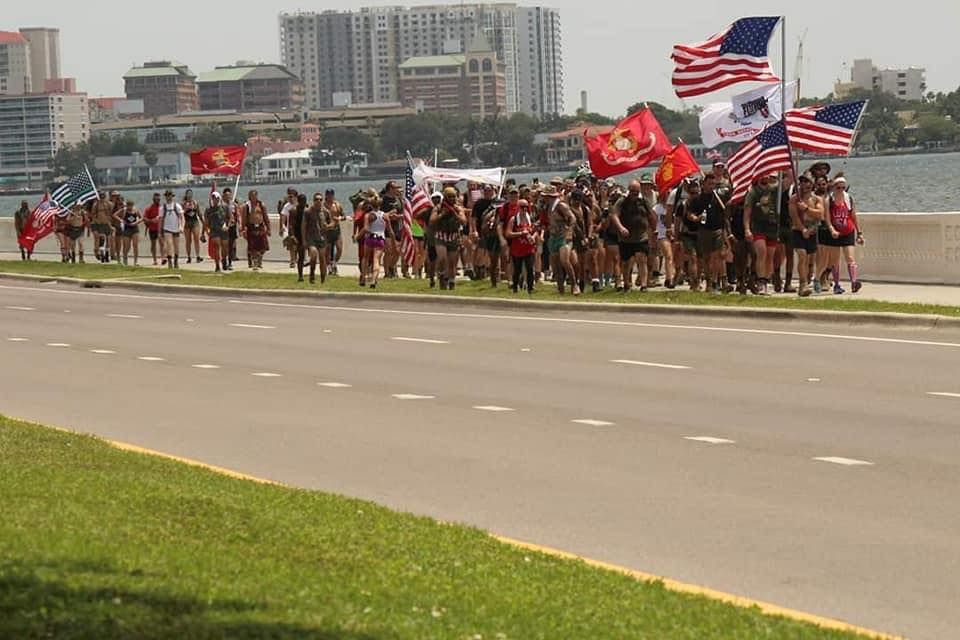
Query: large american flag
(77, 190)
(41, 222)
(415, 201)
(768, 153)
(736, 54)
(829, 129)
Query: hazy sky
(617, 50)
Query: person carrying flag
(20, 223)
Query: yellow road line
(672, 585)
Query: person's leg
(527, 265)
(515, 280)
(760, 251)
(313, 254)
(176, 251)
(670, 270)
(777, 263)
(853, 270)
(566, 263)
(135, 240)
(322, 264)
(788, 249)
(299, 258)
(378, 255)
(441, 265)
(802, 269)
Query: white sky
(616, 50)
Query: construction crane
(799, 66)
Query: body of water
(918, 183)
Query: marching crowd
(582, 234)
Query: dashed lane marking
(103, 352)
(593, 423)
(420, 340)
(334, 385)
(411, 396)
(124, 316)
(494, 409)
(943, 394)
(846, 462)
(206, 366)
(18, 339)
(262, 327)
(58, 345)
(151, 359)
(21, 308)
(267, 375)
(654, 365)
(709, 440)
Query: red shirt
(151, 216)
(522, 247)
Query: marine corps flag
(676, 165)
(634, 143)
(218, 160)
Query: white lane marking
(709, 440)
(58, 345)
(206, 366)
(847, 462)
(525, 350)
(18, 339)
(250, 326)
(267, 375)
(328, 331)
(190, 320)
(334, 385)
(21, 308)
(128, 296)
(814, 380)
(494, 409)
(103, 352)
(67, 311)
(151, 359)
(124, 316)
(593, 423)
(655, 365)
(410, 396)
(420, 340)
(603, 323)
(943, 394)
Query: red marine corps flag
(634, 143)
(676, 165)
(218, 160)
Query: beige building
(906, 84)
(33, 128)
(44, 55)
(250, 87)
(14, 64)
(165, 87)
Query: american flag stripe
(765, 154)
(737, 54)
(415, 201)
(829, 129)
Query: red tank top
(521, 247)
(840, 216)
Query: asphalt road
(472, 416)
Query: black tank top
(190, 210)
(130, 217)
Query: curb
(887, 319)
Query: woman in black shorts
(192, 226)
(128, 222)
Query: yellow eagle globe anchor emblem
(624, 147)
(220, 160)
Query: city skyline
(599, 46)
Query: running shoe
(838, 290)
(817, 288)
(857, 285)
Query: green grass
(247, 280)
(100, 543)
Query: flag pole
(783, 106)
(90, 177)
(856, 129)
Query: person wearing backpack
(846, 234)
(523, 237)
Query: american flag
(829, 129)
(415, 201)
(77, 190)
(41, 222)
(736, 54)
(768, 153)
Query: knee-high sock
(853, 270)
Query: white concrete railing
(900, 247)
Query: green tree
(70, 159)
(126, 144)
(684, 125)
(419, 135)
(219, 135)
(343, 140)
(936, 128)
(151, 158)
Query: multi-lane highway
(812, 466)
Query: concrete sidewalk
(883, 292)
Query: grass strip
(96, 542)
(278, 281)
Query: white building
(308, 165)
(540, 62)
(906, 84)
(33, 128)
(14, 64)
(357, 55)
(44, 55)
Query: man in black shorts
(712, 233)
(635, 221)
(806, 214)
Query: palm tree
(151, 158)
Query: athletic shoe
(817, 289)
(838, 290)
(857, 285)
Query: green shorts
(555, 244)
(492, 244)
(709, 241)
(689, 243)
(102, 229)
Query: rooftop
(305, 154)
(11, 37)
(159, 69)
(423, 62)
(247, 72)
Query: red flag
(676, 165)
(218, 160)
(634, 143)
(40, 224)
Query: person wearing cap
(151, 220)
(560, 223)
(821, 187)
(77, 223)
(448, 219)
(376, 231)
(216, 230)
(286, 235)
(391, 203)
(583, 234)
(487, 236)
(101, 217)
(316, 222)
(429, 258)
(761, 222)
(806, 213)
(129, 220)
(233, 217)
(688, 225)
(648, 191)
(255, 229)
(819, 169)
(523, 236)
(712, 232)
(634, 220)
(171, 226)
(845, 235)
(334, 234)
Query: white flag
(745, 116)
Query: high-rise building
(540, 65)
(165, 87)
(250, 87)
(14, 64)
(33, 128)
(44, 54)
(355, 57)
(906, 84)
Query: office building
(906, 84)
(165, 88)
(473, 83)
(540, 61)
(44, 55)
(250, 87)
(355, 57)
(14, 64)
(33, 128)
